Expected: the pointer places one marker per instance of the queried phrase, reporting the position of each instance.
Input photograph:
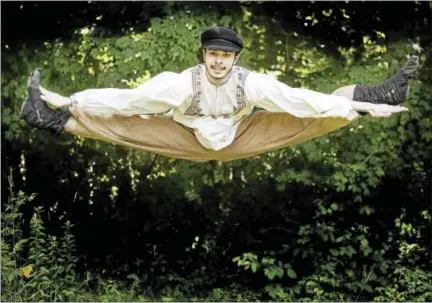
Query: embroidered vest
(238, 74)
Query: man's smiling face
(219, 63)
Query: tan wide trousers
(261, 132)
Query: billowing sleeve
(159, 94)
(266, 92)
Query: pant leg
(266, 131)
(156, 134)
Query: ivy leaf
(269, 273)
(291, 273)
(254, 267)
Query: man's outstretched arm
(159, 94)
(266, 92)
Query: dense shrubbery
(342, 217)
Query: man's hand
(55, 99)
(377, 110)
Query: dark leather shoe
(36, 112)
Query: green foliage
(407, 285)
(12, 242)
(37, 268)
(47, 272)
(53, 277)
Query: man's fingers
(387, 112)
(378, 108)
(384, 108)
(400, 109)
(47, 96)
(45, 91)
(54, 99)
(49, 100)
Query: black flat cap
(221, 38)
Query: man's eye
(226, 55)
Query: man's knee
(345, 91)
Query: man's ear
(237, 58)
(201, 55)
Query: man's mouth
(217, 68)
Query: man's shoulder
(195, 68)
(240, 70)
(240, 74)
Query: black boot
(36, 112)
(393, 91)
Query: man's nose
(218, 59)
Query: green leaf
(269, 273)
(291, 273)
(339, 239)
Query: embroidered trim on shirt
(241, 74)
(195, 109)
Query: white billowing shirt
(214, 112)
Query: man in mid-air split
(206, 112)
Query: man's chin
(218, 75)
